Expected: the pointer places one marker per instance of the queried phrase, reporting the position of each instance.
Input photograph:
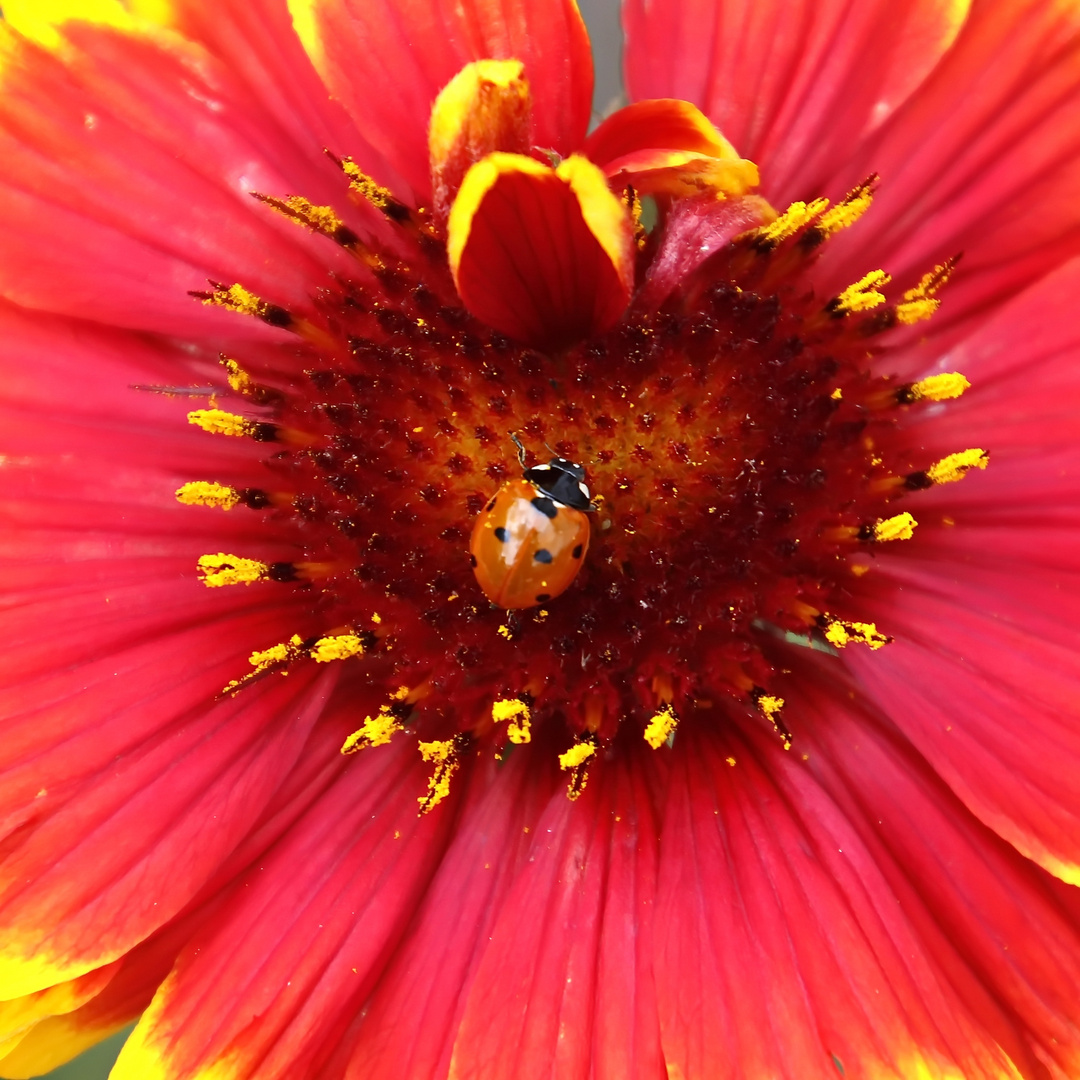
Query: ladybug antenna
(520, 449)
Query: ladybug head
(563, 481)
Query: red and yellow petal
(546, 256)
(793, 85)
(668, 147)
(134, 152)
(302, 939)
(387, 60)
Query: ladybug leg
(520, 449)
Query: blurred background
(602, 17)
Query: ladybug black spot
(472, 560)
(545, 506)
(576, 552)
(543, 555)
(501, 534)
(543, 597)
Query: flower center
(744, 460)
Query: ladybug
(529, 542)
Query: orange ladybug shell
(526, 548)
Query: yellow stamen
(899, 527)
(239, 380)
(223, 569)
(956, 466)
(219, 422)
(375, 731)
(920, 302)
(862, 296)
(443, 753)
(576, 760)
(935, 388)
(380, 197)
(207, 493)
(661, 727)
(790, 221)
(245, 302)
(336, 647)
(841, 633)
(771, 707)
(846, 212)
(518, 713)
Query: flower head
(489, 598)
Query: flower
(780, 780)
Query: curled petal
(544, 255)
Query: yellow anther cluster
(898, 527)
(320, 218)
(576, 761)
(363, 185)
(661, 727)
(938, 387)
(841, 633)
(443, 754)
(207, 493)
(237, 298)
(772, 707)
(845, 213)
(920, 302)
(276, 654)
(336, 647)
(239, 380)
(518, 713)
(224, 569)
(863, 295)
(577, 755)
(956, 466)
(219, 422)
(790, 221)
(376, 730)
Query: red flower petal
(386, 60)
(411, 1021)
(984, 159)
(565, 985)
(985, 916)
(789, 83)
(304, 938)
(137, 158)
(544, 255)
(781, 948)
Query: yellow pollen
(956, 466)
(207, 493)
(320, 218)
(837, 394)
(841, 633)
(223, 569)
(790, 221)
(577, 755)
(506, 632)
(863, 295)
(336, 647)
(400, 694)
(938, 387)
(444, 756)
(219, 422)
(772, 707)
(376, 618)
(239, 380)
(900, 527)
(518, 713)
(846, 212)
(375, 731)
(661, 727)
(237, 298)
(363, 185)
(731, 761)
(920, 302)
